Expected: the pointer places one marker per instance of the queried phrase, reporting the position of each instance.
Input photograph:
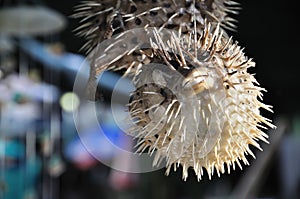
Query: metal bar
(248, 186)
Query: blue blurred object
(21, 106)
(12, 149)
(64, 61)
(95, 143)
(73, 63)
(18, 176)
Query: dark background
(267, 30)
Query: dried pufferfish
(209, 127)
(197, 106)
(210, 115)
(101, 19)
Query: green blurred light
(69, 101)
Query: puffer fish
(195, 104)
(101, 19)
(206, 117)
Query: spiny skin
(238, 117)
(101, 19)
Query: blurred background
(41, 155)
